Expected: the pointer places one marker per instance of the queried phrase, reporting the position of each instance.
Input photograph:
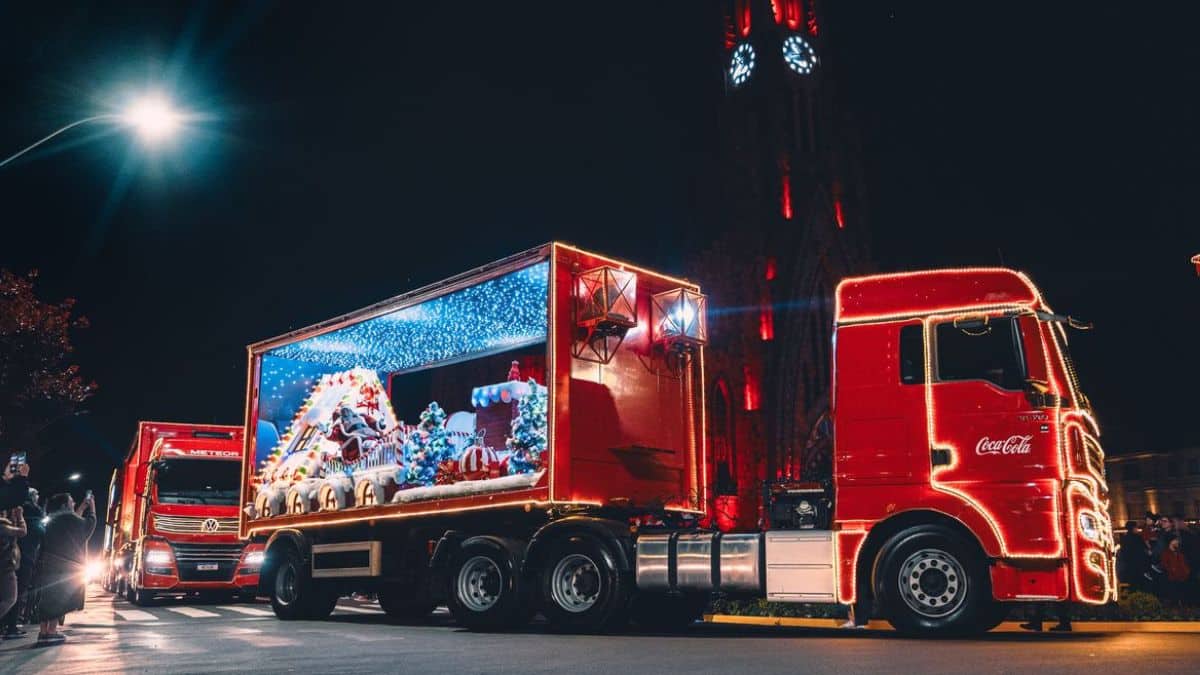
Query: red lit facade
(793, 222)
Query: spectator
(59, 577)
(15, 486)
(1133, 558)
(1166, 532)
(1062, 611)
(12, 528)
(1150, 529)
(1177, 572)
(1188, 544)
(29, 546)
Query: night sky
(344, 154)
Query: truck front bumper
(246, 582)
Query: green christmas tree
(426, 447)
(528, 440)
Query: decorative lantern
(608, 296)
(680, 318)
(605, 310)
(1196, 262)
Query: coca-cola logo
(1013, 445)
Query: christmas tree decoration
(426, 448)
(528, 440)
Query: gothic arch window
(723, 438)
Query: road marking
(358, 610)
(252, 611)
(135, 615)
(193, 612)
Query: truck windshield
(198, 481)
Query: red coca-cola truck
(171, 525)
(554, 456)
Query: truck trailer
(171, 524)
(555, 459)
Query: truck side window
(912, 355)
(990, 352)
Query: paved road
(114, 636)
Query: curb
(1006, 627)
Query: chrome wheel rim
(479, 584)
(285, 585)
(575, 583)
(932, 583)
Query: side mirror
(1039, 394)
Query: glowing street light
(75, 477)
(152, 117)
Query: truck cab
(177, 519)
(967, 470)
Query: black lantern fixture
(605, 310)
(680, 319)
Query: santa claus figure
(355, 433)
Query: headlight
(255, 558)
(158, 557)
(1089, 527)
(93, 570)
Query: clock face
(741, 64)
(799, 55)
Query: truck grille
(194, 525)
(189, 558)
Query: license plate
(207, 567)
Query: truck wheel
(485, 591)
(407, 602)
(933, 583)
(142, 597)
(666, 613)
(293, 593)
(582, 589)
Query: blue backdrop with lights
(498, 315)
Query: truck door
(990, 442)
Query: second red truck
(171, 527)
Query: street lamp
(152, 117)
(75, 477)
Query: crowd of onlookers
(1161, 555)
(43, 557)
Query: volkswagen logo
(210, 525)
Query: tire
(141, 597)
(658, 612)
(294, 596)
(933, 583)
(485, 591)
(410, 603)
(582, 589)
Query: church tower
(792, 224)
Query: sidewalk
(1006, 627)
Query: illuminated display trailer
(530, 436)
